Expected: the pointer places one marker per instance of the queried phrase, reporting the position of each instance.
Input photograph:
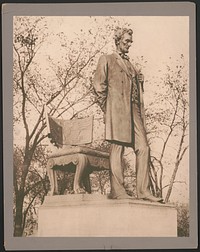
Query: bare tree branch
(180, 182)
(82, 110)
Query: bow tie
(124, 56)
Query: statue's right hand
(140, 77)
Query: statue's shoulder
(109, 57)
(106, 58)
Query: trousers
(142, 153)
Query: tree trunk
(18, 224)
(172, 182)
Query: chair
(73, 155)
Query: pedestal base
(87, 215)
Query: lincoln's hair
(119, 32)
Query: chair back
(70, 132)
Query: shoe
(125, 197)
(154, 199)
(79, 191)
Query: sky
(155, 38)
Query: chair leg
(53, 181)
(86, 183)
(82, 162)
(50, 172)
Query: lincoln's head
(123, 39)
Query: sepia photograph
(101, 126)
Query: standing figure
(119, 90)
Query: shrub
(183, 220)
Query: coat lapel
(121, 63)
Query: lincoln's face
(125, 43)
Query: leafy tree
(36, 187)
(167, 123)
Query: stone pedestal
(87, 215)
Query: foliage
(183, 220)
(100, 182)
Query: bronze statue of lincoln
(119, 90)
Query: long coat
(113, 87)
